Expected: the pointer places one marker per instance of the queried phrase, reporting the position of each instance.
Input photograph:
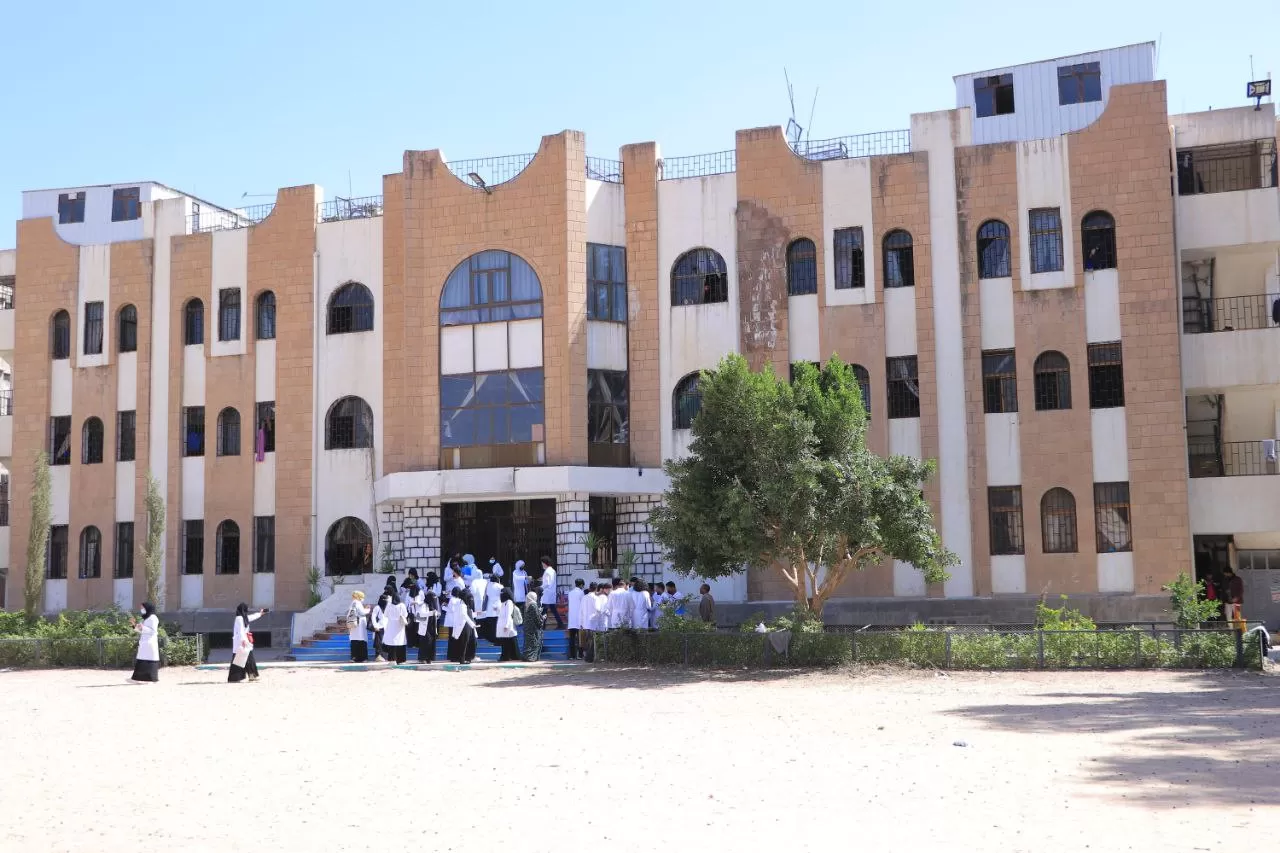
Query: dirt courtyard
(576, 759)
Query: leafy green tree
(779, 477)
(153, 549)
(37, 538)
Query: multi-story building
(1043, 288)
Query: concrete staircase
(332, 645)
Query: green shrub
(83, 638)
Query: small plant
(627, 564)
(313, 587)
(388, 560)
(1190, 607)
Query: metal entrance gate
(507, 530)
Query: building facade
(1059, 291)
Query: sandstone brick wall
(644, 296)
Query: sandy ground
(623, 760)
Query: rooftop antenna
(794, 131)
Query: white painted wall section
(1111, 446)
(606, 214)
(1008, 574)
(846, 203)
(60, 388)
(264, 485)
(1044, 181)
(264, 371)
(193, 377)
(1115, 572)
(525, 347)
(94, 286)
(900, 321)
(127, 383)
(1102, 306)
(1239, 218)
(193, 486)
(126, 473)
(904, 437)
(802, 329)
(55, 595)
(606, 345)
(122, 591)
(1004, 451)
(264, 589)
(60, 494)
(191, 592)
(1234, 504)
(996, 305)
(230, 272)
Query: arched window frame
(226, 550)
(193, 323)
(492, 286)
(350, 310)
(686, 402)
(228, 432)
(60, 335)
(264, 316)
(1058, 522)
(90, 552)
(348, 547)
(863, 377)
(899, 259)
(1052, 372)
(1098, 240)
(127, 329)
(348, 425)
(802, 267)
(994, 250)
(699, 277)
(92, 439)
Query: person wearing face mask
(146, 665)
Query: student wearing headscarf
(395, 639)
(495, 569)
(506, 627)
(462, 636)
(357, 627)
(146, 664)
(488, 617)
(428, 610)
(378, 621)
(477, 587)
(242, 662)
(470, 571)
(532, 624)
(519, 583)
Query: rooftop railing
(228, 220)
(600, 169)
(1229, 313)
(697, 165)
(858, 145)
(339, 209)
(492, 170)
(1229, 167)
(1209, 458)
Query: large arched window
(899, 260)
(264, 314)
(348, 548)
(686, 402)
(226, 551)
(802, 268)
(699, 277)
(60, 335)
(1098, 237)
(864, 383)
(350, 309)
(348, 425)
(993, 250)
(1053, 382)
(90, 552)
(193, 323)
(1058, 522)
(228, 432)
(490, 287)
(127, 329)
(91, 442)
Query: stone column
(421, 536)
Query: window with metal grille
(55, 557)
(851, 269)
(264, 544)
(193, 323)
(123, 567)
(60, 440)
(7, 285)
(903, 388)
(265, 437)
(492, 409)
(864, 384)
(126, 436)
(1004, 507)
(90, 553)
(128, 329)
(899, 260)
(350, 309)
(686, 402)
(126, 204)
(699, 277)
(489, 287)
(1112, 517)
(1045, 228)
(91, 438)
(265, 316)
(1106, 376)
(608, 408)
(193, 431)
(229, 432)
(802, 267)
(1053, 382)
(348, 547)
(348, 425)
(226, 549)
(606, 283)
(60, 336)
(993, 95)
(193, 546)
(1079, 84)
(70, 208)
(993, 250)
(999, 382)
(602, 520)
(1058, 522)
(229, 314)
(93, 328)
(1098, 237)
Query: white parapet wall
(335, 604)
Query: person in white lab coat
(548, 596)
(595, 617)
(487, 622)
(357, 628)
(146, 663)
(477, 588)
(242, 662)
(470, 571)
(506, 627)
(462, 636)
(428, 619)
(659, 598)
(378, 624)
(619, 605)
(574, 606)
(640, 605)
(395, 641)
(519, 583)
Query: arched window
(699, 277)
(90, 552)
(1053, 382)
(348, 425)
(864, 382)
(127, 326)
(802, 268)
(1098, 237)
(993, 250)
(193, 323)
(226, 555)
(264, 313)
(91, 442)
(350, 309)
(490, 287)
(60, 335)
(686, 402)
(899, 260)
(1058, 522)
(348, 548)
(229, 432)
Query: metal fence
(858, 145)
(99, 652)
(339, 209)
(228, 220)
(600, 169)
(491, 170)
(6, 401)
(1138, 648)
(1228, 167)
(1228, 314)
(1210, 458)
(697, 165)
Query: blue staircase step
(555, 646)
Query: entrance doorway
(505, 530)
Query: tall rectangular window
(999, 382)
(1106, 376)
(126, 437)
(1004, 506)
(60, 440)
(93, 328)
(193, 547)
(55, 558)
(903, 386)
(993, 96)
(608, 418)
(229, 314)
(264, 544)
(264, 440)
(193, 431)
(851, 270)
(126, 204)
(1045, 226)
(606, 283)
(1079, 84)
(124, 550)
(70, 208)
(1112, 517)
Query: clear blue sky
(223, 98)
